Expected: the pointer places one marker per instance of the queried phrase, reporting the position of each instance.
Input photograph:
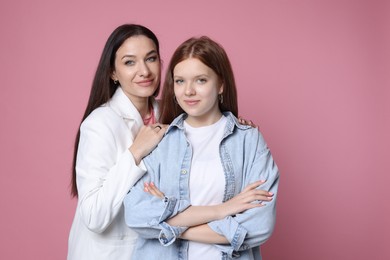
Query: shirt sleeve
(252, 227)
(147, 214)
(104, 174)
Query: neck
(142, 105)
(199, 121)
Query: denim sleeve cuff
(232, 230)
(169, 234)
(173, 206)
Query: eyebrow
(196, 76)
(133, 56)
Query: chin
(147, 93)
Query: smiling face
(196, 88)
(137, 68)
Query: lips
(145, 83)
(191, 102)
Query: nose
(189, 90)
(143, 70)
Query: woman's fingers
(156, 190)
(247, 199)
(250, 193)
(252, 186)
(159, 128)
(257, 195)
(246, 122)
(153, 190)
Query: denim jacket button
(183, 171)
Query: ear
(220, 91)
(113, 76)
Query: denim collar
(232, 122)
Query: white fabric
(207, 180)
(106, 171)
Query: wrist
(220, 211)
(136, 156)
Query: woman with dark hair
(118, 129)
(209, 167)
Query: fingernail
(270, 193)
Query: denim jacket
(245, 158)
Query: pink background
(313, 74)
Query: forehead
(136, 46)
(192, 67)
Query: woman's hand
(146, 140)
(246, 122)
(248, 198)
(153, 190)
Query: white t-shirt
(207, 179)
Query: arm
(104, 172)
(204, 234)
(151, 216)
(197, 215)
(104, 175)
(254, 226)
(147, 214)
(200, 233)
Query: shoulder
(244, 131)
(253, 133)
(250, 133)
(250, 137)
(101, 118)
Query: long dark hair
(212, 55)
(103, 87)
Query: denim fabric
(245, 158)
